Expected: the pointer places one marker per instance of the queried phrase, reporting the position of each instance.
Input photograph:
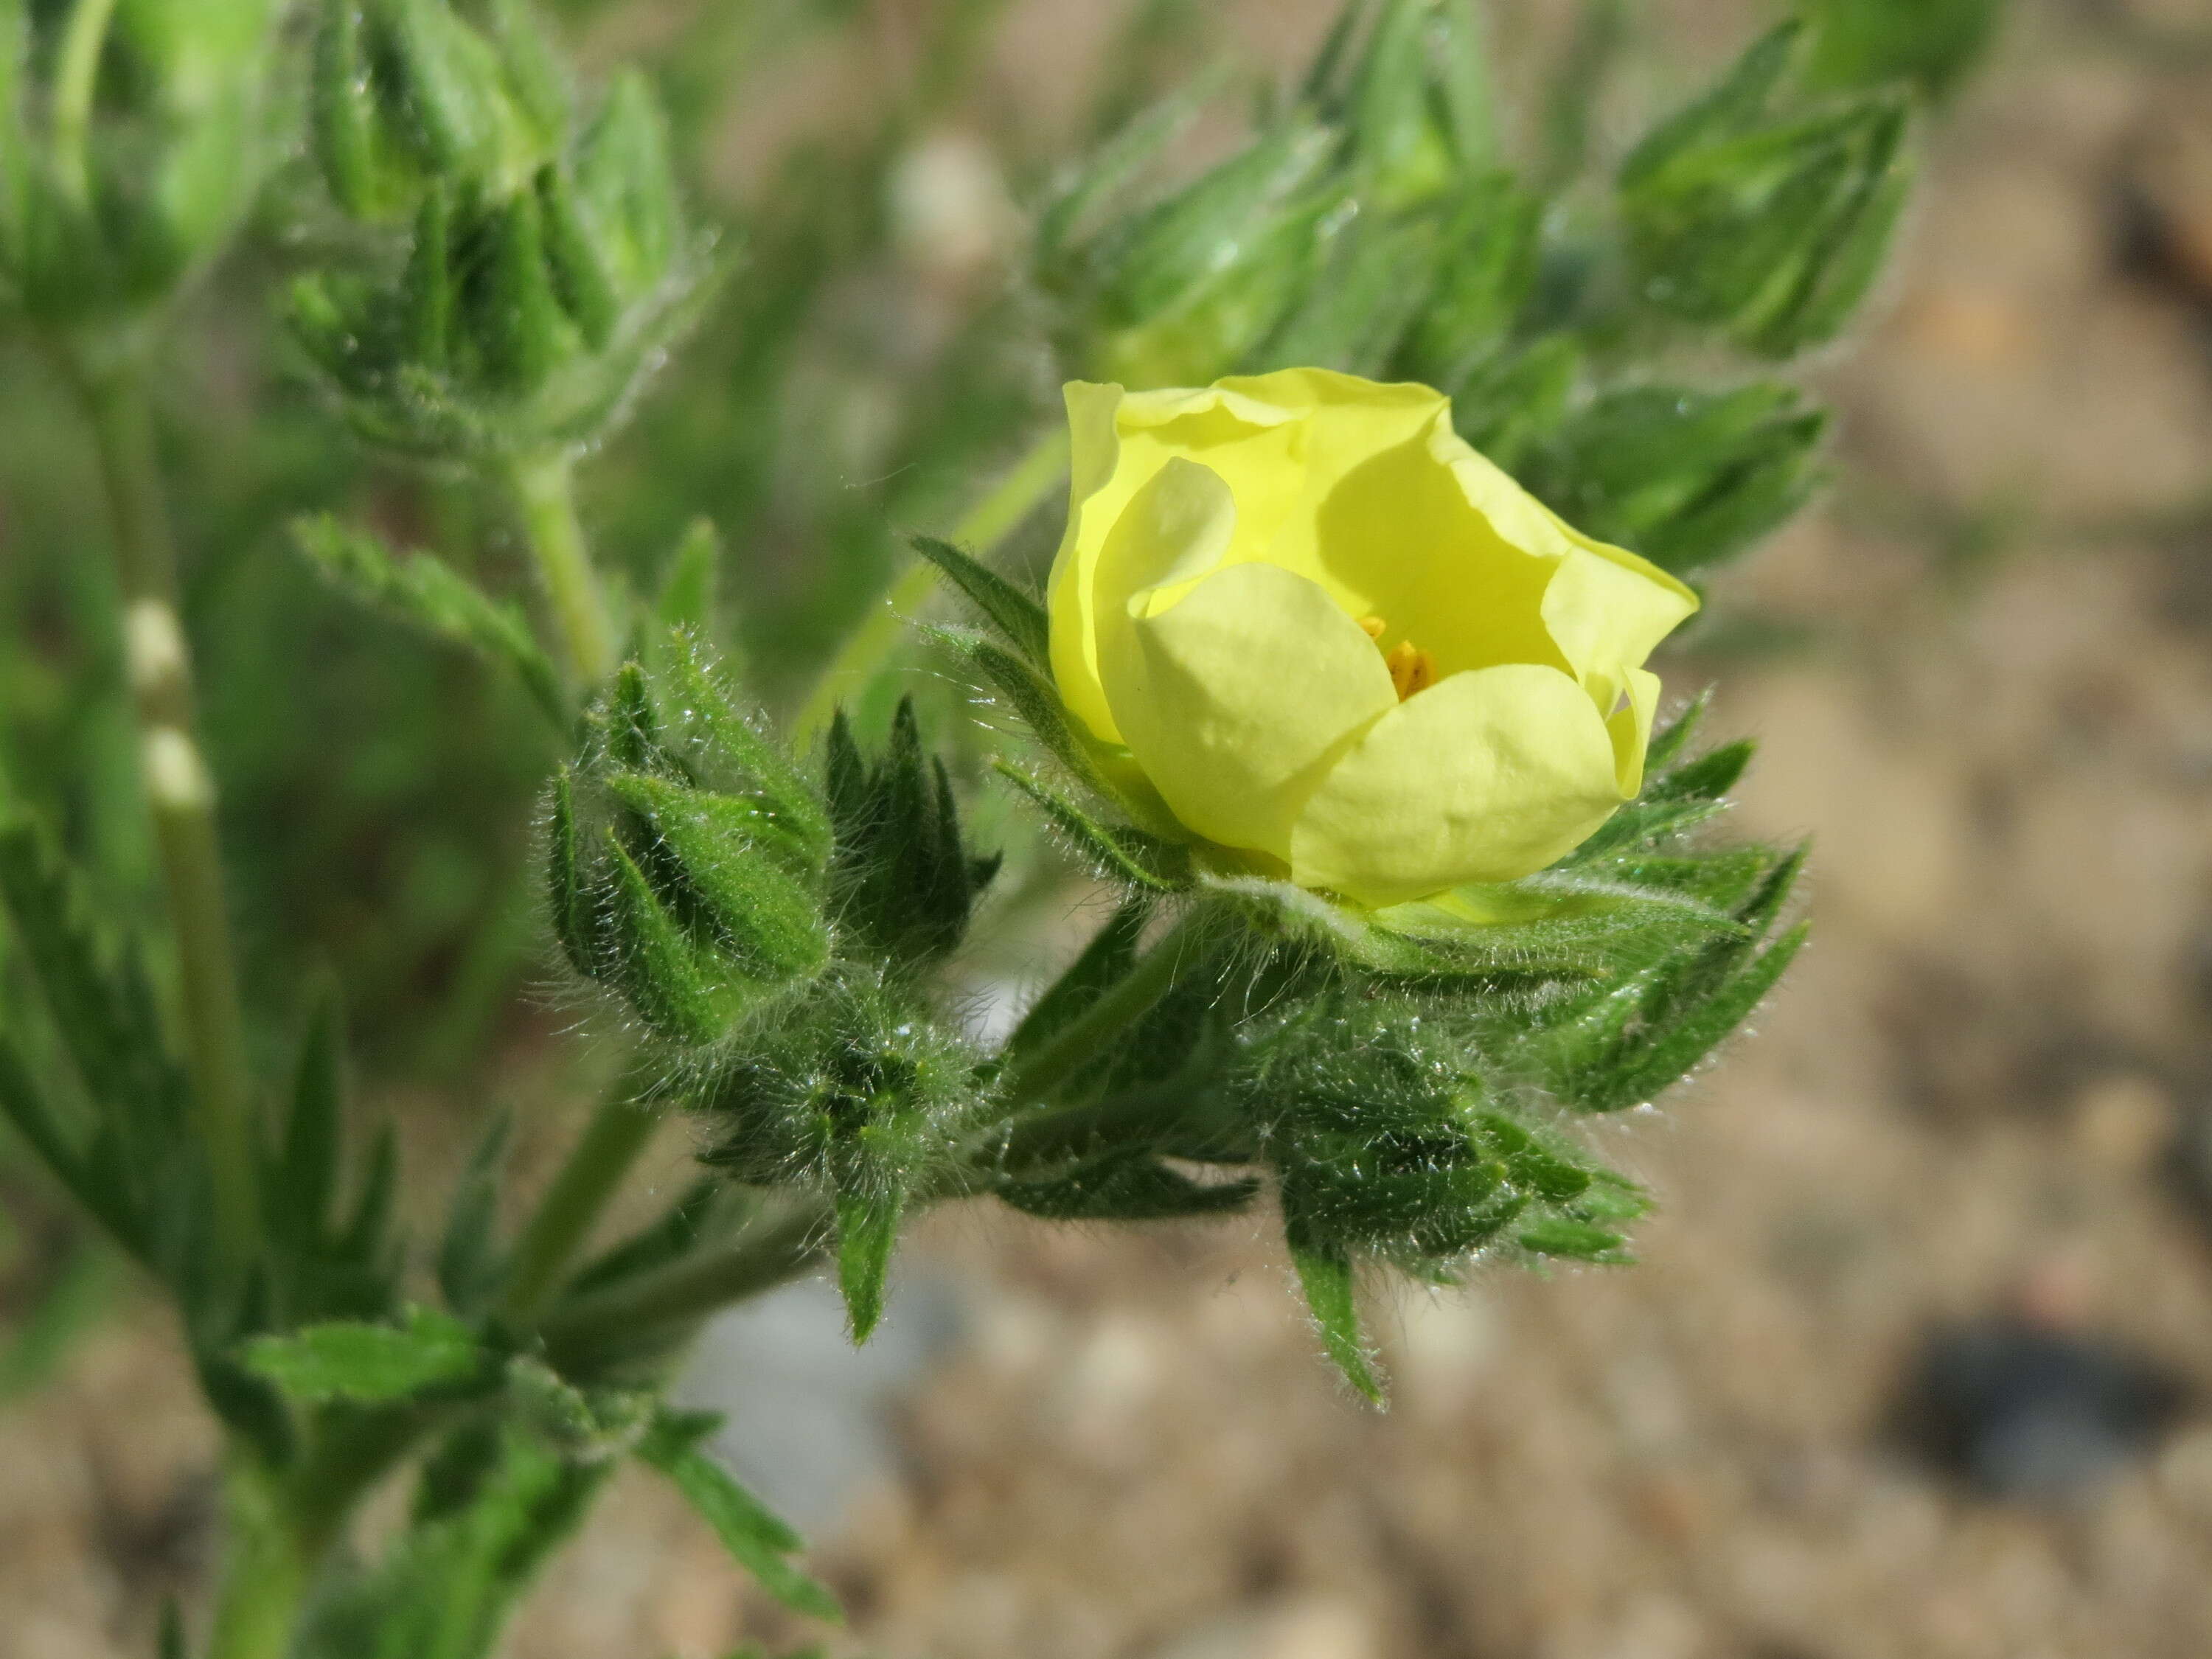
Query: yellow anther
(1412, 669)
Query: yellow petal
(1487, 777)
(1630, 727)
(1237, 697)
(1120, 442)
(1606, 617)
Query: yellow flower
(1339, 642)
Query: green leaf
(1325, 1274)
(1579, 1241)
(471, 1265)
(1019, 618)
(867, 1233)
(368, 1365)
(689, 591)
(1119, 851)
(305, 1184)
(424, 590)
(756, 1539)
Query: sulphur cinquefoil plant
(1381, 482)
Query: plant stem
(988, 523)
(181, 795)
(778, 1249)
(1037, 1076)
(76, 78)
(266, 1577)
(543, 490)
(572, 1205)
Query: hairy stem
(988, 523)
(544, 491)
(573, 1203)
(773, 1251)
(180, 793)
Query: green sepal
(901, 878)
(1376, 281)
(1119, 851)
(512, 316)
(1019, 616)
(424, 590)
(1326, 1276)
(577, 917)
(749, 878)
(756, 1539)
(370, 1365)
(625, 188)
(655, 960)
(579, 275)
(689, 590)
(1105, 771)
(867, 1233)
(1577, 1241)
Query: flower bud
(1686, 478)
(1766, 221)
(688, 859)
(1931, 43)
(1417, 105)
(132, 143)
(1185, 289)
(543, 276)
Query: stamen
(1375, 627)
(1412, 669)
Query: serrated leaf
(867, 1233)
(758, 1541)
(422, 589)
(1019, 617)
(368, 1365)
(1326, 1276)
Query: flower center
(1412, 669)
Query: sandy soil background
(1983, 674)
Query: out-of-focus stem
(573, 1204)
(987, 524)
(543, 490)
(181, 795)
